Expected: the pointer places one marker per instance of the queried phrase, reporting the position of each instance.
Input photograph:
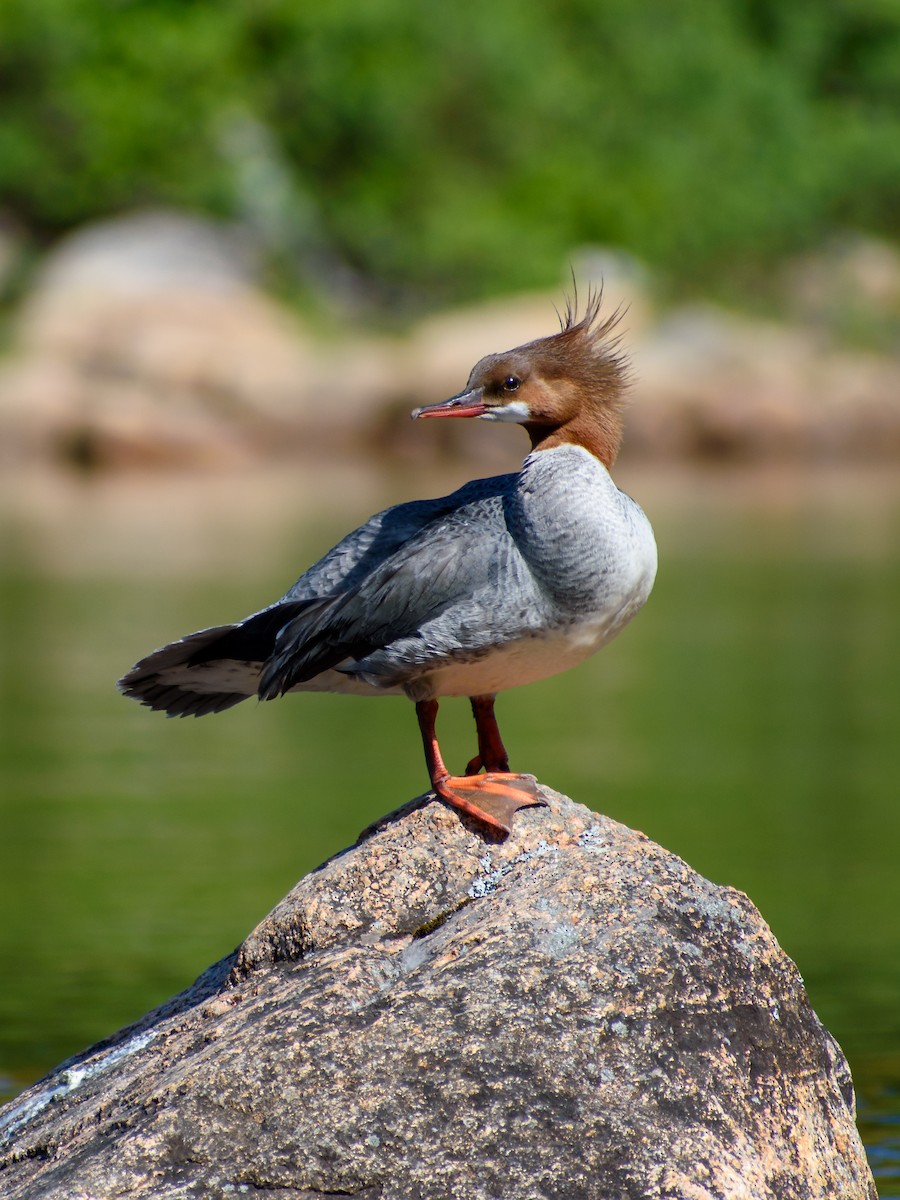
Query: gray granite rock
(571, 1013)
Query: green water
(749, 720)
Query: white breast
(594, 552)
(528, 659)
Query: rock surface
(571, 1013)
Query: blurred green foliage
(457, 149)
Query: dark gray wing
(442, 596)
(361, 552)
(214, 669)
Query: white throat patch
(515, 410)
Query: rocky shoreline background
(148, 341)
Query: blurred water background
(237, 245)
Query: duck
(506, 581)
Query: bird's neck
(600, 434)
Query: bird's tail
(207, 671)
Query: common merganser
(506, 581)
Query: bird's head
(565, 388)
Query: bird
(506, 581)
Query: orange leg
(491, 798)
(491, 754)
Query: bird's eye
(511, 383)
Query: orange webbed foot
(492, 798)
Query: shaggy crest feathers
(583, 341)
(584, 351)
